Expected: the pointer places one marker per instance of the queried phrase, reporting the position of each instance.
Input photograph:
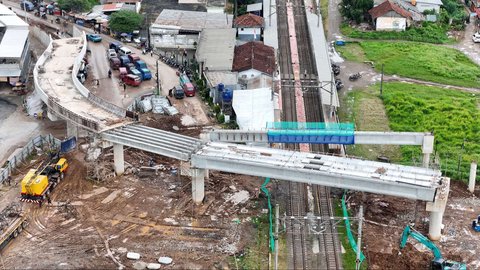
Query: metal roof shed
(13, 43)
(216, 48)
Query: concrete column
(427, 149)
(118, 160)
(72, 129)
(437, 208)
(473, 176)
(207, 174)
(198, 185)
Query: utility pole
(359, 239)
(381, 82)
(158, 82)
(277, 217)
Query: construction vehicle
(12, 223)
(476, 224)
(438, 263)
(38, 183)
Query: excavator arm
(409, 231)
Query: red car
(132, 80)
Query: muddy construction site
(96, 218)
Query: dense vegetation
(125, 21)
(356, 10)
(453, 116)
(422, 61)
(77, 5)
(428, 32)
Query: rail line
(306, 250)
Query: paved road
(467, 46)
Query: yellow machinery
(37, 184)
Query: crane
(438, 263)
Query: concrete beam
(152, 148)
(198, 185)
(118, 160)
(72, 129)
(324, 178)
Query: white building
(14, 46)
(249, 27)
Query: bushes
(428, 32)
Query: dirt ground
(386, 217)
(93, 224)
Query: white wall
(249, 33)
(392, 24)
(251, 73)
(424, 6)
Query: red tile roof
(387, 6)
(254, 55)
(248, 20)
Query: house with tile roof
(254, 59)
(389, 16)
(249, 27)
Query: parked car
(124, 51)
(135, 72)
(27, 5)
(123, 72)
(115, 45)
(133, 57)
(111, 53)
(142, 67)
(114, 63)
(476, 37)
(124, 60)
(132, 80)
(94, 37)
(177, 92)
(189, 89)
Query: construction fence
(21, 156)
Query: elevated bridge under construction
(109, 123)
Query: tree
(125, 21)
(356, 10)
(76, 5)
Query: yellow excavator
(38, 183)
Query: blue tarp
(68, 144)
(311, 139)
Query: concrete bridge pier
(72, 129)
(118, 159)
(198, 185)
(437, 209)
(427, 149)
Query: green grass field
(452, 115)
(419, 61)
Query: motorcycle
(355, 76)
(336, 69)
(338, 84)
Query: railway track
(306, 250)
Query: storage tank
(220, 87)
(227, 95)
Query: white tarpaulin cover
(254, 108)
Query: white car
(476, 37)
(111, 53)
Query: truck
(187, 86)
(438, 262)
(38, 183)
(142, 67)
(12, 222)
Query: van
(114, 63)
(115, 45)
(26, 5)
(124, 61)
(133, 57)
(189, 89)
(124, 51)
(132, 80)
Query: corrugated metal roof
(13, 42)
(13, 21)
(192, 20)
(10, 71)
(4, 10)
(216, 48)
